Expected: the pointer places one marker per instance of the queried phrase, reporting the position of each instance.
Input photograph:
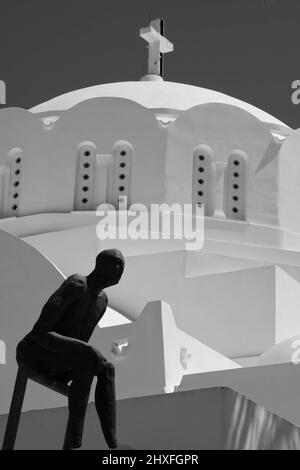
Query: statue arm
(53, 341)
(101, 313)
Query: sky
(244, 48)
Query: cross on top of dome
(158, 45)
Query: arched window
(204, 179)
(84, 179)
(11, 183)
(122, 160)
(236, 186)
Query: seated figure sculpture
(58, 345)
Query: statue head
(109, 267)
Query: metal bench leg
(15, 410)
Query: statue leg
(77, 401)
(105, 401)
(83, 368)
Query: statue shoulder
(76, 282)
(103, 296)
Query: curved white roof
(152, 94)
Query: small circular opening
(201, 169)
(235, 198)
(86, 165)
(18, 160)
(84, 201)
(17, 172)
(15, 195)
(236, 175)
(236, 162)
(235, 210)
(121, 188)
(200, 181)
(122, 176)
(200, 193)
(201, 157)
(85, 188)
(14, 207)
(85, 177)
(122, 153)
(16, 183)
(236, 186)
(122, 165)
(87, 153)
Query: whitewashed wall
(289, 182)
(224, 128)
(27, 279)
(256, 302)
(162, 158)
(50, 152)
(276, 387)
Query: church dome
(142, 141)
(168, 97)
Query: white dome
(168, 96)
